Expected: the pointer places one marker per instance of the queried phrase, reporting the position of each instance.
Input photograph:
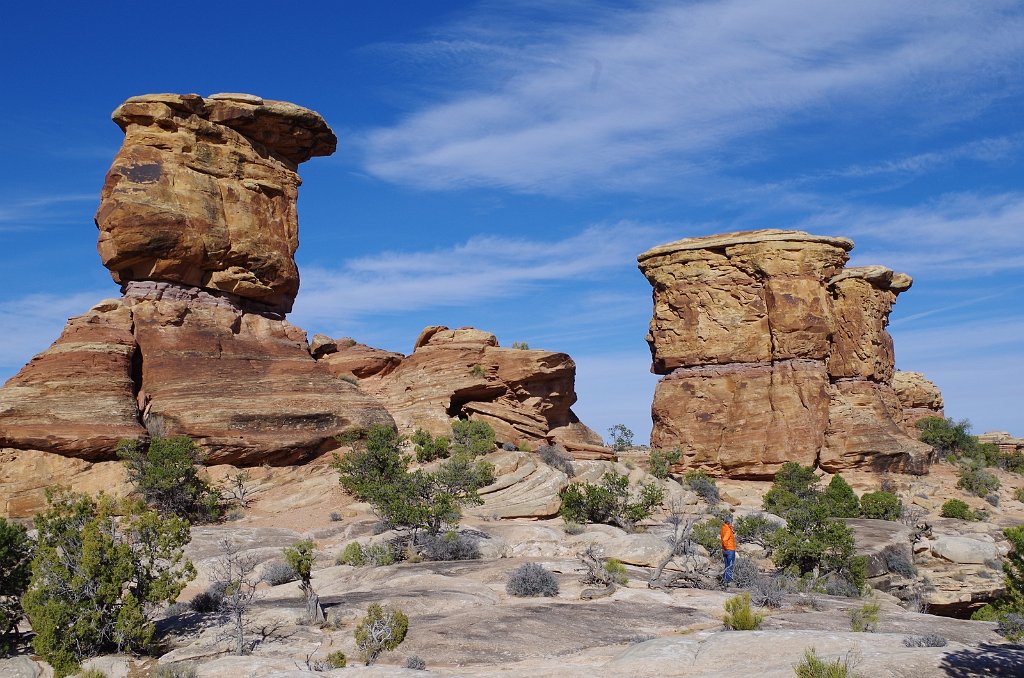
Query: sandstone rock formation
(525, 395)
(918, 397)
(203, 193)
(774, 352)
(1006, 443)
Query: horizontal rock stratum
(772, 351)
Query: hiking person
(728, 548)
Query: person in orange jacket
(728, 548)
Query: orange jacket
(728, 537)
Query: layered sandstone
(919, 397)
(203, 193)
(774, 352)
(525, 395)
(1006, 443)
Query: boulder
(203, 193)
(964, 550)
(919, 398)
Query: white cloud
(629, 99)
(483, 268)
(954, 236)
(25, 212)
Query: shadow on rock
(988, 659)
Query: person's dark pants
(730, 558)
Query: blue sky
(501, 164)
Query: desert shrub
(521, 345)
(573, 528)
(946, 436)
(92, 673)
(531, 579)
(744, 572)
(15, 571)
(926, 640)
(380, 555)
(335, 517)
(840, 499)
(381, 630)
(1011, 626)
(336, 660)
(707, 534)
(754, 529)
(416, 500)
(813, 666)
(865, 617)
(176, 670)
(660, 462)
(101, 569)
(880, 505)
(739, 616)
(477, 370)
(352, 554)
(954, 508)
(472, 438)
(897, 561)
(1018, 494)
(976, 480)
(838, 586)
(792, 485)
(428, 448)
(278, 573)
(165, 472)
(812, 540)
(448, 546)
(767, 591)
(555, 457)
(209, 600)
(617, 571)
(621, 437)
(609, 502)
(412, 661)
(993, 499)
(704, 485)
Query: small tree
(235, 575)
(472, 437)
(429, 448)
(622, 437)
(300, 556)
(165, 471)
(947, 436)
(381, 630)
(841, 500)
(610, 501)
(661, 461)
(792, 486)
(954, 508)
(100, 568)
(881, 505)
(15, 559)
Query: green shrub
(429, 448)
(793, 485)
(621, 437)
(660, 462)
(840, 499)
(381, 630)
(708, 534)
(336, 660)
(352, 554)
(92, 673)
(521, 345)
(449, 546)
(555, 457)
(813, 666)
(176, 670)
(477, 370)
(1018, 494)
(738, 615)
(416, 500)
(881, 505)
(755, 529)
(976, 480)
(617, 571)
(472, 438)
(813, 540)
(417, 663)
(954, 508)
(704, 485)
(374, 555)
(165, 471)
(865, 617)
(609, 502)
(100, 568)
(15, 570)
(947, 436)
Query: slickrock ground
(773, 352)
(463, 623)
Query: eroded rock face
(773, 352)
(203, 193)
(525, 395)
(918, 397)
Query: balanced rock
(525, 395)
(919, 398)
(774, 352)
(203, 193)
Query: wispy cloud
(956, 236)
(631, 99)
(29, 324)
(25, 213)
(481, 269)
